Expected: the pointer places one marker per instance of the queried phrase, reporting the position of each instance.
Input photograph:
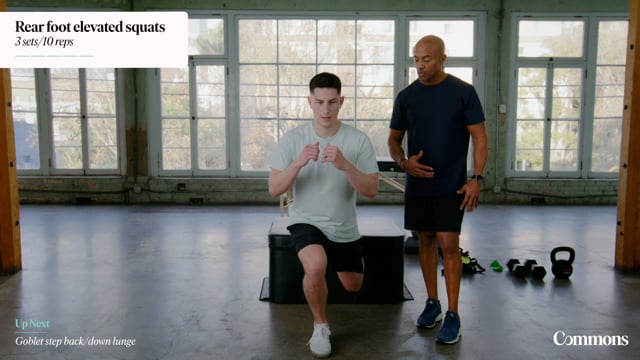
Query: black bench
(383, 252)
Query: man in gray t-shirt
(327, 163)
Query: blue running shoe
(431, 314)
(450, 331)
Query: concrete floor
(184, 283)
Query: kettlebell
(562, 268)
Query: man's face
(429, 59)
(325, 103)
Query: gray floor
(184, 283)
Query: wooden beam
(10, 248)
(628, 225)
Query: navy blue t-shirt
(435, 118)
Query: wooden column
(628, 226)
(10, 248)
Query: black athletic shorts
(434, 213)
(341, 256)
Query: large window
(568, 106)
(193, 118)
(194, 107)
(278, 57)
(68, 117)
(83, 110)
(609, 96)
(247, 82)
(245, 85)
(25, 119)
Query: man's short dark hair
(325, 80)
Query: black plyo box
(383, 252)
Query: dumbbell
(520, 271)
(511, 264)
(538, 272)
(530, 266)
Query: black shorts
(341, 256)
(434, 213)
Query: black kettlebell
(562, 268)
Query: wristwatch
(479, 178)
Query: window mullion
(548, 111)
(84, 120)
(45, 120)
(193, 115)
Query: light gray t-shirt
(322, 195)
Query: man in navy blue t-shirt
(439, 113)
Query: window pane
(176, 144)
(336, 41)
(258, 140)
(206, 37)
(23, 89)
(529, 160)
(609, 99)
(257, 39)
(566, 104)
(529, 145)
(296, 41)
(103, 143)
(609, 91)
(67, 142)
(101, 91)
(605, 156)
(65, 91)
(212, 153)
(67, 126)
(294, 91)
(465, 73)
(567, 94)
(378, 132)
(531, 93)
(211, 116)
(612, 42)
(25, 120)
(101, 119)
(607, 123)
(258, 91)
(549, 38)
(563, 154)
(374, 92)
(210, 82)
(174, 92)
(458, 35)
(376, 40)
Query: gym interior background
(143, 197)
(203, 134)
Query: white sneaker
(319, 343)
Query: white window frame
(588, 63)
(45, 129)
(401, 74)
(154, 109)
